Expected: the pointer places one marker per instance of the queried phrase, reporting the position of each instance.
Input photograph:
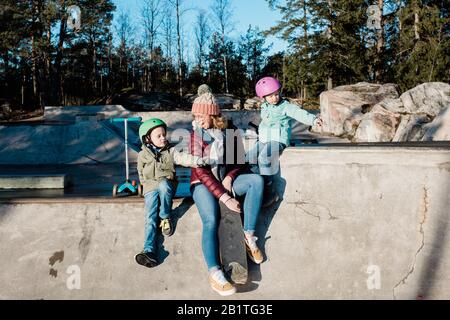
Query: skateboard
(232, 245)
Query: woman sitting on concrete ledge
(221, 181)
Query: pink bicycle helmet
(266, 86)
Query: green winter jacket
(275, 121)
(153, 168)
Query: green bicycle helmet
(149, 125)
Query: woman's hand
(228, 184)
(231, 203)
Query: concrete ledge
(33, 181)
(352, 224)
(82, 200)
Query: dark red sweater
(204, 175)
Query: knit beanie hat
(205, 103)
(204, 88)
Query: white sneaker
(252, 249)
(220, 284)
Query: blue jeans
(157, 203)
(250, 185)
(264, 157)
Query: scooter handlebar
(132, 119)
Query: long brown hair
(219, 122)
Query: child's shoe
(166, 227)
(220, 284)
(147, 259)
(252, 249)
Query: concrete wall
(361, 223)
(355, 212)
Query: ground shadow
(434, 262)
(162, 252)
(179, 211)
(177, 214)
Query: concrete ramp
(118, 130)
(79, 143)
(174, 119)
(85, 135)
(83, 113)
(360, 223)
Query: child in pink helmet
(274, 132)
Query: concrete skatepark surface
(354, 222)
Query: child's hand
(203, 162)
(227, 183)
(318, 121)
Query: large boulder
(425, 114)
(252, 103)
(427, 98)
(373, 92)
(377, 126)
(225, 100)
(411, 127)
(343, 107)
(367, 112)
(393, 105)
(439, 128)
(228, 101)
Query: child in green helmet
(156, 169)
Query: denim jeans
(250, 185)
(157, 203)
(264, 157)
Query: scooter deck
(232, 245)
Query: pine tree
(327, 41)
(252, 51)
(216, 72)
(423, 43)
(151, 17)
(98, 34)
(215, 63)
(338, 42)
(295, 27)
(14, 51)
(202, 31)
(125, 30)
(222, 13)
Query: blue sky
(245, 12)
